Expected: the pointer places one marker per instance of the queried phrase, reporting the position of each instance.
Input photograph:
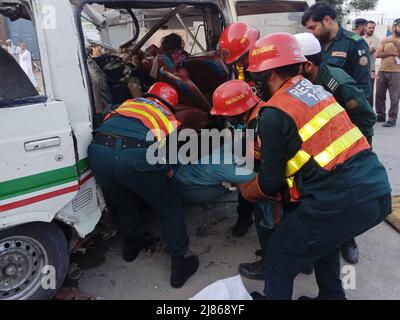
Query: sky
(390, 7)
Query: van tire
(31, 247)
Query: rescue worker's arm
(361, 62)
(279, 139)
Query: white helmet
(309, 43)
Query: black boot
(350, 251)
(253, 271)
(182, 269)
(245, 217)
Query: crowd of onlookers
(387, 78)
(22, 55)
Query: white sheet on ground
(226, 289)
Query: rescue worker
(340, 187)
(236, 100)
(118, 158)
(341, 48)
(234, 45)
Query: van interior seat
(207, 71)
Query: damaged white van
(48, 195)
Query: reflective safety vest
(153, 114)
(253, 116)
(329, 137)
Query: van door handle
(42, 144)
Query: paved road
(107, 276)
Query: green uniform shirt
(345, 90)
(350, 52)
(360, 179)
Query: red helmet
(233, 98)
(274, 51)
(164, 92)
(236, 41)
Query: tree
(344, 7)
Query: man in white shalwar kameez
(11, 49)
(25, 61)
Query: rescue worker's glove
(252, 192)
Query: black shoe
(390, 124)
(381, 119)
(257, 296)
(241, 227)
(309, 270)
(253, 271)
(133, 246)
(182, 269)
(350, 251)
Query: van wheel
(29, 255)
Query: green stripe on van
(83, 165)
(40, 181)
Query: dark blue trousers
(307, 238)
(127, 178)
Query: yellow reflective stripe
(319, 121)
(338, 147)
(297, 162)
(163, 118)
(145, 114)
(290, 182)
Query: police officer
(341, 48)
(234, 46)
(338, 183)
(360, 26)
(345, 90)
(335, 80)
(119, 160)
